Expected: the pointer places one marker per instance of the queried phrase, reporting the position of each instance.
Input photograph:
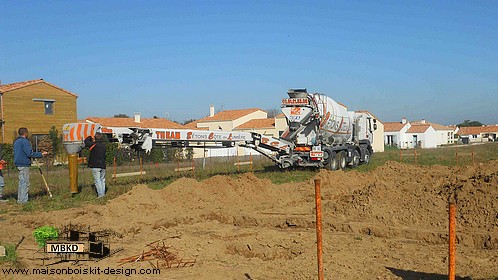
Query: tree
(188, 121)
(470, 123)
(53, 134)
(121, 116)
(273, 112)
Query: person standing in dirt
(23, 153)
(96, 161)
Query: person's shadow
(415, 275)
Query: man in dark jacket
(97, 161)
(23, 153)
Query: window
(48, 105)
(49, 108)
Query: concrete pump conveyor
(320, 133)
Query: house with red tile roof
(474, 134)
(417, 134)
(227, 119)
(395, 133)
(37, 105)
(269, 126)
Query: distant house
(395, 133)
(227, 120)
(417, 134)
(269, 126)
(37, 105)
(473, 134)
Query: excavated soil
(390, 223)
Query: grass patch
(288, 176)
(11, 255)
(161, 175)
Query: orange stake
(452, 242)
(319, 244)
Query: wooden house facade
(37, 105)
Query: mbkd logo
(65, 248)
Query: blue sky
(436, 60)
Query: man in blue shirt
(23, 152)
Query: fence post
(250, 159)
(416, 161)
(141, 167)
(452, 241)
(473, 157)
(456, 154)
(400, 157)
(319, 244)
(115, 171)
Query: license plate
(315, 154)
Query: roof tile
(18, 85)
(257, 124)
(226, 115)
(476, 130)
(418, 128)
(393, 126)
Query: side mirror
(375, 126)
(375, 120)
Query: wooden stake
(319, 244)
(452, 242)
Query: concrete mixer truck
(320, 132)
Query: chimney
(423, 121)
(137, 117)
(403, 120)
(211, 110)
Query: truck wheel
(366, 159)
(328, 154)
(334, 162)
(356, 159)
(341, 158)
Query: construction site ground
(388, 223)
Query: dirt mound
(243, 222)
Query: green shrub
(44, 233)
